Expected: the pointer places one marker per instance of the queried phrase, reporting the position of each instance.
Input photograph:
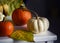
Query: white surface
(22, 42)
(6, 40)
(21, 27)
(45, 36)
(40, 42)
(50, 42)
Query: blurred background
(49, 9)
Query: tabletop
(45, 36)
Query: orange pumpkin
(21, 16)
(6, 28)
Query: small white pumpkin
(1, 16)
(38, 24)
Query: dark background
(49, 9)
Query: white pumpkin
(38, 24)
(1, 16)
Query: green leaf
(13, 4)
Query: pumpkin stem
(23, 6)
(37, 17)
